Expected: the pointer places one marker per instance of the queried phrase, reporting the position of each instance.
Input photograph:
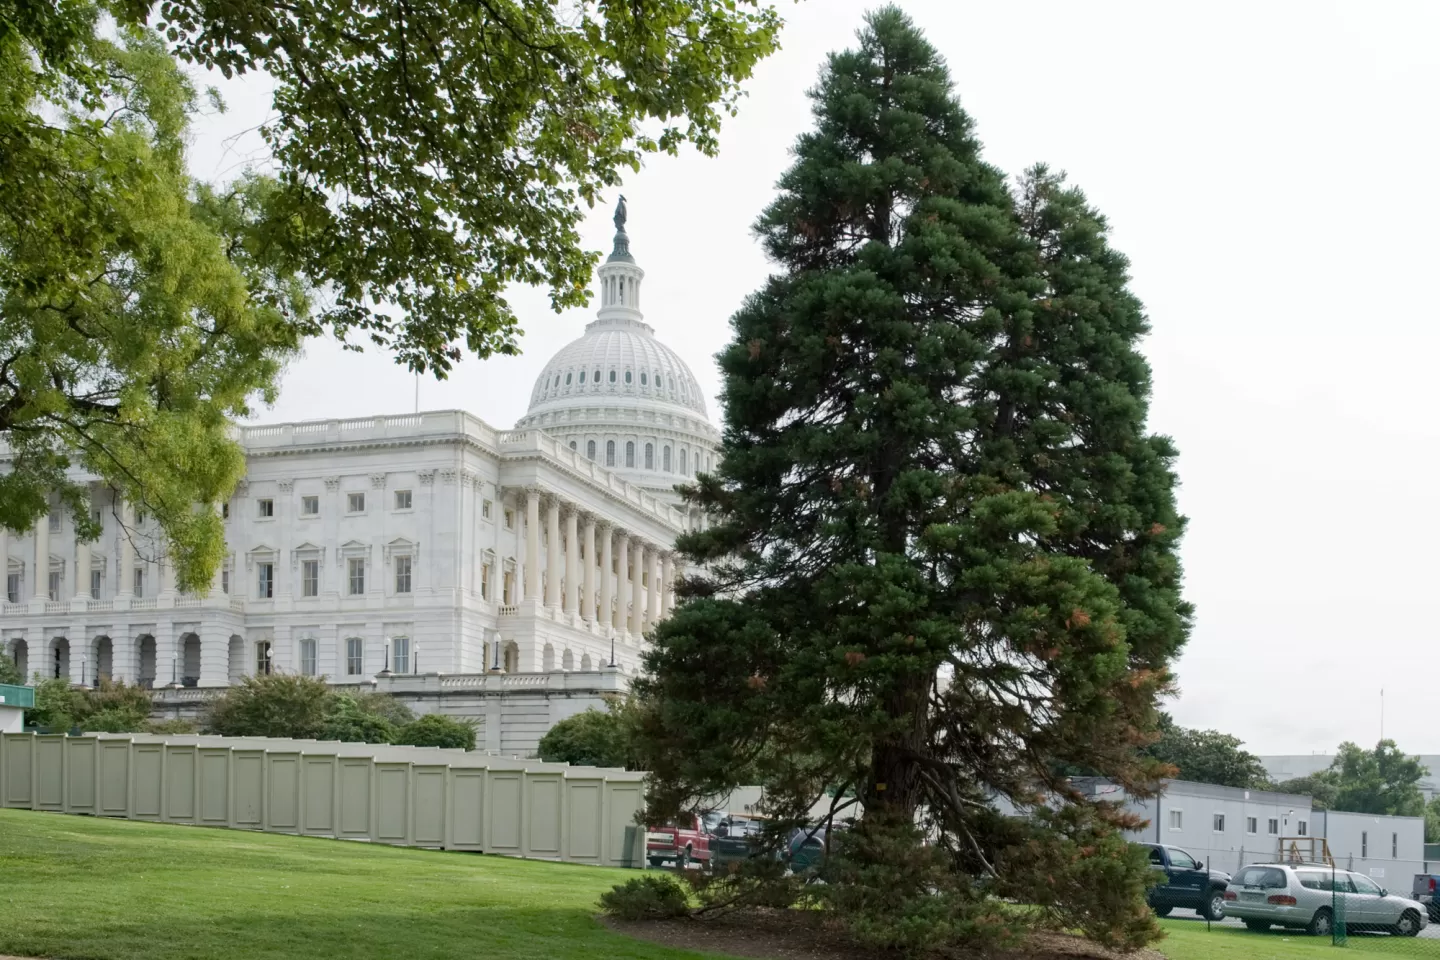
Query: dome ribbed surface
(631, 364)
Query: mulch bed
(792, 935)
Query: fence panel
(410, 796)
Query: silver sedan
(1311, 896)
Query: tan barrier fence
(405, 796)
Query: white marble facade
(415, 544)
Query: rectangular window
(1302, 828)
(1273, 827)
(400, 655)
(1218, 823)
(1177, 819)
(265, 585)
(224, 511)
(53, 586)
(485, 581)
(357, 576)
(402, 499)
(354, 656)
(1364, 844)
(264, 508)
(402, 574)
(310, 578)
(1252, 825)
(262, 658)
(309, 506)
(355, 503)
(12, 587)
(55, 522)
(224, 579)
(307, 658)
(95, 584)
(509, 519)
(139, 518)
(1394, 846)
(485, 509)
(507, 594)
(139, 579)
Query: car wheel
(1162, 911)
(1409, 924)
(657, 862)
(1321, 925)
(1259, 926)
(1214, 908)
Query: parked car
(1423, 891)
(1187, 884)
(681, 843)
(1303, 896)
(730, 840)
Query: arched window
(665, 458)
(609, 453)
(582, 377)
(643, 378)
(590, 449)
(597, 376)
(612, 376)
(659, 382)
(684, 471)
(628, 376)
(567, 660)
(572, 444)
(629, 453)
(585, 662)
(567, 379)
(649, 456)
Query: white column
(82, 570)
(637, 587)
(587, 599)
(42, 557)
(125, 575)
(552, 553)
(572, 566)
(667, 585)
(657, 587)
(607, 560)
(622, 591)
(532, 545)
(5, 565)
(124, 663)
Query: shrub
(433, 730)
(114, 707)
(57, 707)
(651, 897)
(384, 706)
(595, 738)
(275, 705)
(347, 720)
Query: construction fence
(403, 796)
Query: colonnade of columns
(75, 583)
(636, 578)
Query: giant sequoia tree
(942, 563)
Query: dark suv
(1187, 883)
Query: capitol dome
(621, 397)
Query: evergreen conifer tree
(941, 566)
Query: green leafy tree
(427, 156)
(273, 705)
(384, 706)
(1382, 781)
(943, 557)
(594, 738)
(1319, 787)
(1432, 821)
(1207, 756)
(434, 730)
(58, 708)
(9, 672)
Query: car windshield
(1364, 884)
(1266, 878)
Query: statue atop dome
(622, 239)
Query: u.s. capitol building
(404, 546)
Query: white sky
(1267, 167)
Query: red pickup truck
(681, 843)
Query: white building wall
(1391, 850)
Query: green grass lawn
(1189, 940)
(78, 887)
(87, 889)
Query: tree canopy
(942, 558)
(423, 158)
(594, 738)
(1207, 756)
(1382, 780)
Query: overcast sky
(1269, 170)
